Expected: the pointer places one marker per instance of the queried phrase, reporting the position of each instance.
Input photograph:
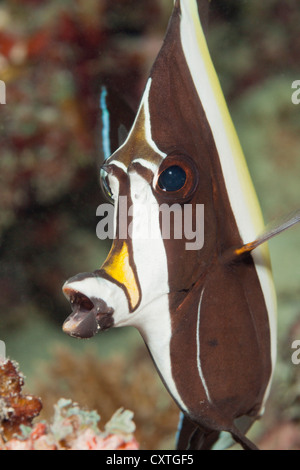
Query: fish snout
(89, 314)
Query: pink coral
(41, 439)
(88, 440)
(76, 429)
(72, 428)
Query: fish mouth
(89, 315)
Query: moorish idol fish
(207, 316)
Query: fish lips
(88, 316)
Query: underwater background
(54, 57)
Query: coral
(16, 410)
(76, 429)
(71, 428)
(106, 385)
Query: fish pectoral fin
(271, 231)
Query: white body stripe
(198, 350)
(238, 183)
(115, 187)
(146, 164)
(148, 136)
(155, 328)
(153, 318)
(156, 331)
(119, 165)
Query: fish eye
(105, 186)
(172, 179)
(177, 178)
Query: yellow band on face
(118, 267)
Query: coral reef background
(54, 56)
(70, 427)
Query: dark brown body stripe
(234, 328)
